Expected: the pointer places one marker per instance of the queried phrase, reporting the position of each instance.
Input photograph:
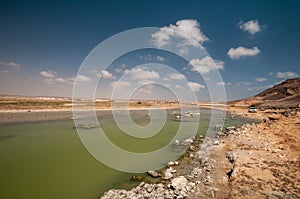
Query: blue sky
(255, 44)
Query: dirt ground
(266, 161)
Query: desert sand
(266, 160)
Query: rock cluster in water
(179, 187)
(176, 182)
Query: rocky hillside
(283, 95)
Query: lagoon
(47, 159)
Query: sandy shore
(36, 116)
(19, 116)
(252, 161)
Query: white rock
(217, 142)
(179, 183)
(229, 128)
(153, 174)
(187, 141)
(177, 142)
(168, 173)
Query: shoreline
(50, 114)
(251, 161)
(39, 115)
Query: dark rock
(136, 178)
(231, 156)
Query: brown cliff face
(283, 95)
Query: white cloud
(176, 76)
(5, 71)
(82, 78)
(236, 53)
(160, 58)
(167, 85)
(251, 26)
(48, 74)
(51, 78)
(107, 75)
(118, 70)
(142, 74)
(104, 74)
(10, 64)
(261, 79)
(194, 86)
(147, 57)
(183, 50)
(119, 84)
(243, 83)
(206, 64)
(259, 88)
(166, 79)
(221, 83)
(284, 75)
(61, 80)
(187, 30)
(178, 87)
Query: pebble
(153, 174)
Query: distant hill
(283, 95)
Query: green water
(47, 159)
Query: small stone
(187, 141)
(168, 173)
(192, 148)
(177, 142)
(230, 128)
(153, 174)
(231, 156)
(217, 142)
(179, 183)
(281, 156)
